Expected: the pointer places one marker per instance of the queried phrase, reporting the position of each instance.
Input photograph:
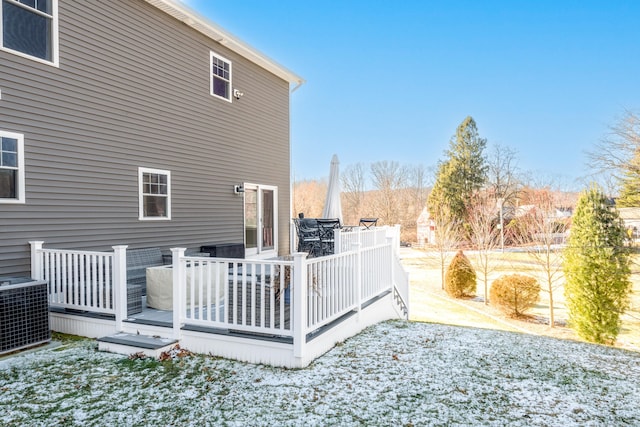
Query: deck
(242, 313)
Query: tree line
(388, 190)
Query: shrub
(514, 294)
(460, 279)
(596, 269)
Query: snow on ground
(394, 373)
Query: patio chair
(367, 223)
(326, 229)
(308, 237)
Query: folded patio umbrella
(332, 205)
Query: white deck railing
(83, 280)
(77, 279)
(288, 297)
(332, 288)
(345, 238)
(243, 295)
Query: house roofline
(205, 26)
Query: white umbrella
(332, 206)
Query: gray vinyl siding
(132, 90)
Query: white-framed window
(220, 77)
(11, 167)
(29, 28)
(154, 194)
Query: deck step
(127, 344)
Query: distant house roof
(198, 22)
(424, 218)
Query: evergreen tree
(596, 269)
(460, 279)
(461, 174)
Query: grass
(486, 372)
(433, 305)
(395, 373)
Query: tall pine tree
(596, 269)
(462, 173)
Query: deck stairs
(400, 304)
(128, 344)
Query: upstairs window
(11, 168)
(155, 194)
(220, 77)
(30, 28)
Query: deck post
(337, 241)
(396, 243)
(36, 260)
(393, 253)
(179, 285)
(299, 302)
(356, 247)
(120, 284)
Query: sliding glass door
(260, 220)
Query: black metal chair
(367, 223)
(326, 230)
(308, 236)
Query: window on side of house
(11, 167)
(220, 77)
(155, 194)
(30, 28)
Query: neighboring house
(426, 229)
(631, 218)
(132, 122)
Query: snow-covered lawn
(395, 373)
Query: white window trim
(141, 216)
(21, 190)
(215, 55)
(55, 59)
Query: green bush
(596, 269)
(514, 294)
(460, 279)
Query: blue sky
(392, 80)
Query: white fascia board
(198, 22)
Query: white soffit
(196, 21)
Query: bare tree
(388, 177)
(418, 176)
(485, 235)
(411, 200)
(541, 232)
(447, 238)
(308, 197)
(354, 187)
(503, 181)
(616, 155)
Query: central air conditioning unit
(24, 313)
